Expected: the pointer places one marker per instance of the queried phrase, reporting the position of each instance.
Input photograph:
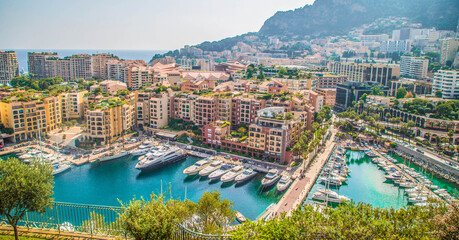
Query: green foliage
(123, 92)
(438, 94)
(24, 188)
(348, 221)
(401, 93)
(36, 84)
(154, 219)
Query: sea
(145, 55)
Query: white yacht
(330, 181)
(213, 166)
(284, 183)
(114, 155)
(161, 158)
(141, 150)
(232, 174)
(246, 175)
(59, 168)
(271, 178)
(418, 199)
(195, 168)
(329, 196)
(220, 172)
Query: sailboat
(60, 167)
(113, 155)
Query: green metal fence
(92, 219)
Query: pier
(299, 190)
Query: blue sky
(130, 24)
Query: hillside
(334, 17)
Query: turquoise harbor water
(105, 183)
(367, 183)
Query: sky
(130, 24)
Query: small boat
(271, 178)
(284, 183)
(240, 218)
(61, 168)
(220, 172)
(195, 168)
(141, 150)
(232, 174)
(417, 199)
(113, 156)
(329, 196)
(213, 166)
(246, 175)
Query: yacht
(195, 168)
(114, 155)
(213, 166)
(330, 181)
(141, 150)
(240, 217)
(161, 158)
(407, 185)
(246, 175)
(231, 175)
(271, 178)
(327, 195)
(59, 168)
(394, 176)
(284, 183)
(220, 172)
(418, 199)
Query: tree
(213, 213)
(154, 219)
(24, 188)
(450, 135)
(438, 94)
(401, 93)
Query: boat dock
(300, 188)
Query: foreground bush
(358, 221)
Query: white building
(449, 49)
(448, 83)
(414, 67)
(403, 46)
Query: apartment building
(414, 67)
(8, 66)
(139, 76)
(72, 105)
(449, 48)
(80, 66)
(25, 115)
(183, 106)
(99, 62)
(109, 120)
(273, 87)
(329, 80)
(224, 108)
(206, 110)
(244, 109)
(447, 82)
(110, 86)
(191, 85)
(274, 131)
(37, 63)
(292, 84)
(358, 72)
(328, 95)
(392, 46)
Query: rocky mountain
(334, 17)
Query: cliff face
(334, 17)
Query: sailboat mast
(39, 138)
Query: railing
(94, 220)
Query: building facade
(449, 48)
(414, 67)
(447, 82)
(8, 66)
(357, 72)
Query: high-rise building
(8, 66)
(348, 92)
(329, 80)
(80, 66)
(414, 67)
(392, 46)
(99, 62)
(447, 82)
(37, 63)
(365, 72)
(449, 48)
(328, 95)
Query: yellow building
(109, 119)
(26, 114)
